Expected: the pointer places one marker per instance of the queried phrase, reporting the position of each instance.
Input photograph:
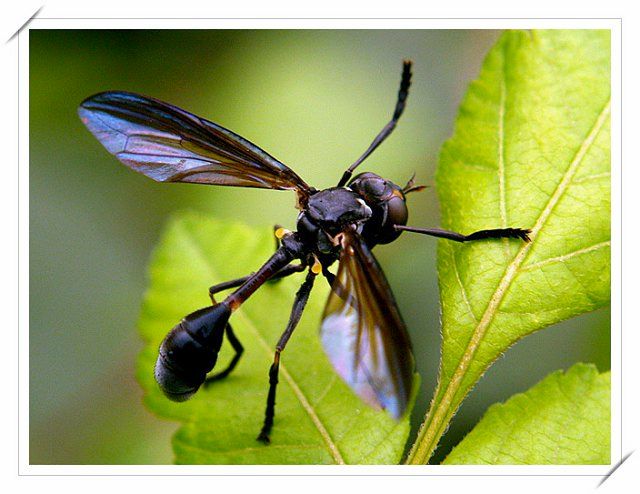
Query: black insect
(362, 330)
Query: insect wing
(168, 144)
(363, 333)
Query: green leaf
(318, 419)
(565, 419)
(531, 149)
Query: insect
(362, 330)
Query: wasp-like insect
(362, 330)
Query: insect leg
(249, 284)
(520, 233)
(286, 271)
(296, 312)
(237, 346)
(386, 131)
(290, 249)
(328, 275)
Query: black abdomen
(189, 352)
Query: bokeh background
(313, 99)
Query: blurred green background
(313, 99)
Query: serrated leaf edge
(436, 425)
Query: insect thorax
(329, 212)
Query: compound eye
(376, 187)
(397, 213)
(372, 187)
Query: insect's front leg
(522, 234)
(296, 312)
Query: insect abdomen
(190, 351)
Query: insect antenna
(412, 187)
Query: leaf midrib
(304, 402)
(513, 268)
(444, 406)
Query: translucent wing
(363, 333)
(168, 144)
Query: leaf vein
(463, 290)
(565, 257)
(589, 178)
(444, 408)
(304, 402)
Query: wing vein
(165, 143)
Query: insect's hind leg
(302, 296)
(239, 349)
(235, 343)
(226, 285)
